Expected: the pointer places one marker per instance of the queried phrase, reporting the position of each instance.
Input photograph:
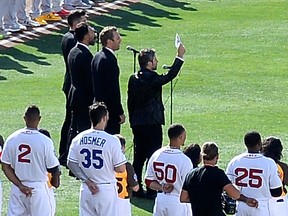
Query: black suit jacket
(68, 42)
(81, 91)
(105, 76)
(145, 104)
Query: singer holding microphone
(146, 109)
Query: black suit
(105, 76)
(67, 43)
(80, 96)
(146, 112)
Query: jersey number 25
(254, 177)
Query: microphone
(132, 49)
(166, 67)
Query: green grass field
(233, 79)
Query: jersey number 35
(92, 157)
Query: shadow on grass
(127, 20)
(2, 78)
(7, 63)
(12, 58)
(176, 4)
(49, 44)
(142, 203)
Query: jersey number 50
(254, 177)
(92, 157)
(168, 172)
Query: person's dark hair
(193, 151)
(122, 139)
(32, 113)
(145, 56)
(97, 111)
(75, 16)
(81, 30)
(45, 132)
(209, 150)
(252, 139)
(106, 34)
(272, 148)
(175, 131)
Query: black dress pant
(63, 146)
(80, 121)
(113, 126)
(147, 139)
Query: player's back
(98, 153)
(27, 151)
(170, 166)
(254, 174)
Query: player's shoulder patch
(135, 177)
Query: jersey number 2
(254, 176)
(25, 150)
(92, 158)
(168, 172)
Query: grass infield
(233, 79)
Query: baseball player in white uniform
(255, 175)
(26, 158)
(93, 157)
(166, 172)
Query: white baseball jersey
(168, 165)
(29, 153)
(254, 174)
(97, 154)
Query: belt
(105, 183)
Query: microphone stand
(171, 95)
(97, 41)
(129, 48)
(134, 61)
(171, 102)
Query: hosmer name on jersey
(91, 140)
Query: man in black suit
(67, 43)
(105, 76)
(146, 109)
(80, 96)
